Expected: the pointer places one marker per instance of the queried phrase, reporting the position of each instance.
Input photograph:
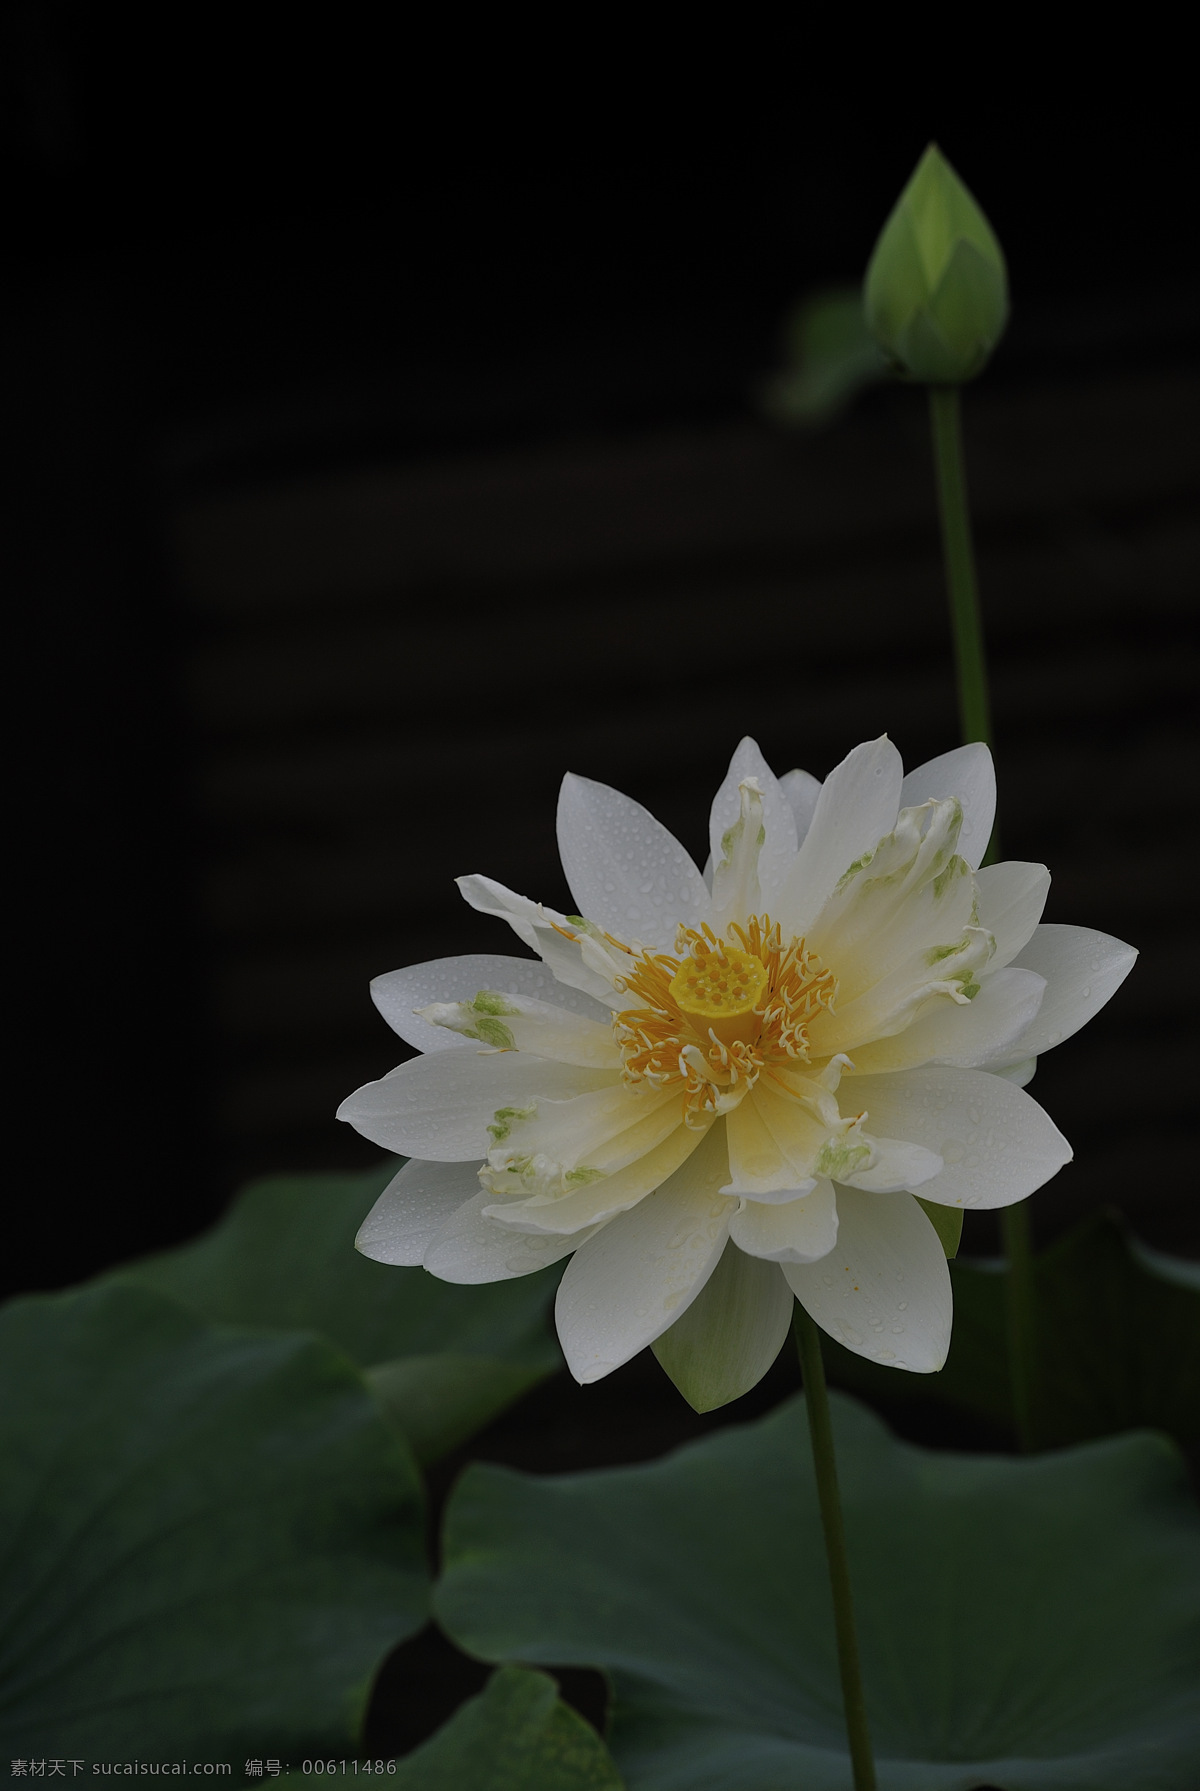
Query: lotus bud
(936, 288)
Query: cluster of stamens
(709, 1018)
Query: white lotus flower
(715, 1092)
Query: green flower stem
(974, 703)
(816, 1401)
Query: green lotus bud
(936, 290)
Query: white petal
(603, 1199)
(471, 1248)
(997, 1144)
(898, 1000)
(968, 773)
(537, 926)
(801, 789)
(523, 915)
(575, 1141)
(571, 962)
(1083, 970)
(441, 1106)
(969, 1037)
(731, 1333)
(736, 891)
(858, 805)
(639, 1273)
(511, 1022)
(815, 1140)
(413, 1208)
(397, 994)
(628, 874)
(884, 1288)
(758, 1165)
(779, 847)
(801, 1231)
(897, 1164)
(906, 903)
(1011, 898)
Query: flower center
(709, 1018)
(720, 992)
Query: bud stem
(820, 1430)
(974, 706)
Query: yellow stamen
(712, 1017)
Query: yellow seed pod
(720, 991)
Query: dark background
(382, 442)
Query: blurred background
(384, 439)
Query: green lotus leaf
(1025, 1624)
(283, 1256)
(517, 1735)
(441, 1401)
(211, 1539)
